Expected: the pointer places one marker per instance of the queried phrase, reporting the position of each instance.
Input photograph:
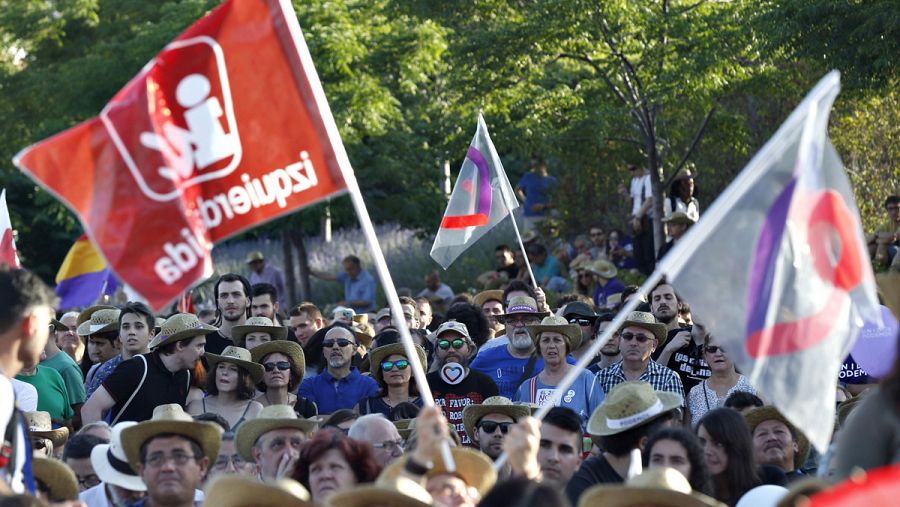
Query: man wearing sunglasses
(340, 385)
(639, 337)
(489, 423)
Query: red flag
(8, 254)
(186, 302)
(225, 129)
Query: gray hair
(359, 430)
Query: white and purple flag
(778, 269)
(481, 198)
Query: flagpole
(522, 246)
(365, 221)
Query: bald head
(339, 332)
(381, 433)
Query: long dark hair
(245, 388)
(699, 478)
(727, 428)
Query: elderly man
(171, 453)
(382, 434)
(776, 441)
(638, 339)
(66, 337)
(359, 285)
(272, 441)
(340, 385)
(439, 294)
(120, 484)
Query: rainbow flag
(83, 276)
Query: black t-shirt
(512, 271)
(687, 362)
(216, 343)
(595, 470)
(160, 387)
(453, 399)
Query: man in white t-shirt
(641, 219)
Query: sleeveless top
(239, 421)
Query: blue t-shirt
(612, 287)
(360, 288)
(506, 370)
(331, 394)
(583, 396)
(536, 188)
(544, 272)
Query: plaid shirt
(657, 375)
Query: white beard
(521, 341)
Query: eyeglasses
(445, 344)
(341, 342)
(160, 459)
(491, 426)
(521, 321)
(89, 481)
(641, 338)
(580, 322)
(222, 461)
(390, 445)
(712, 349)
(281, 365)
(401, 364)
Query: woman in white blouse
(724, 380)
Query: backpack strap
(137, 390)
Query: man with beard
(610, 352)
(664, 305)
(453, 384)
(232, 293)
(305, 320)
(340, 385)
(264, 303)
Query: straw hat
(376, 356)
(181, 326)
(270, 418)
(239, 491)
(361, 318)
(488, 295)
(571, 332)
(363, 333)
(646, 320)
(493, 405)
(402, 492)
(603, 268)
(679, 217)
(664, 487)
(258, 325)
(628, 405)
(290, 349)
(255, 256)
(758, 415)
(404, 427)
(111, 465)
(85, 314)
(240, 357)
(101, 320)
(41, 425)
(171, 418)
(57, 476)
(472, 466)
(521, 305)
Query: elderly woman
(723, 381)
(390, 367)
(332, 462)
(284, 365)
(554, 339)
(230, 387)
(256, 331)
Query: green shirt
(52, 395)
(71, 374)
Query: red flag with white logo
(8, 255)
(226, 128)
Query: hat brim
(86, 329)
(768, 413)
(473, 467)
(202, 330)
(488, 295)
(597, 424)
(660, 332)
(238, 491)
(239, 333)
(377, 355)
(255, 370)
(570, 331)
(249, 432)
(373, 494)
(107, 473)
(288, 348)
(85, 314)
(473, 413)
(625, 496)
(207, 435)
(502, 317)
(57, 476)
(59, 436)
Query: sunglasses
(457, 344)
(641, 338)
(580, 322)
(281, 365)
(341, 342)
(712, 349)
(491, 426)
(401, 364)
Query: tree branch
(691, 148)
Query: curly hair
(359, 455)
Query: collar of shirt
(354, 373)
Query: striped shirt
(657, 375)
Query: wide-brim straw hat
(240, 491)
(402, 492)
(664, 487)
(377, 355)
(178, 327)
(57, 476)
(404, 427)
(603, 268)
(258, 325)
(679, 217)
(255, 256)
(288, 348)
(552, 323)
(521, 305)
(472, 466)
(646, 320)
(171, 419)
(41, 425)
(364, 333)
(239, 356)
(488, 295)
(757, 415)
(628, 405)
(493, 405)
(101, 320)
(111, 464)
(85, 315)
(270, 418)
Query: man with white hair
(66, 338)
(120, 485)
(382, 434)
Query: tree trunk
(289, 278)
(303, 267)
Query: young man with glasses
(453, 385)
(489, 423)
(340, 385)
(640, 336)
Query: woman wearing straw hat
(554, 339)
(284, 365)
(256, 331)
(230, 387)
(391, 369)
